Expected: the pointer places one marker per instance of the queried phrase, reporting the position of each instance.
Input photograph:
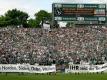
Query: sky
(33, 6)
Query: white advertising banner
(27, 68)
(42, 69)
(86, 68)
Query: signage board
(79, 12)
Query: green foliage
(32, 23)
(3, 21)
(42, 15)
(16, 17)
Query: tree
(32, 23)
(3, 21)
(41, 16)
(16, 17)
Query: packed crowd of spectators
(58, 46)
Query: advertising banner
(86, 68)
(27, 68)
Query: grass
(59, 76)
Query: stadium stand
(58, 46)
